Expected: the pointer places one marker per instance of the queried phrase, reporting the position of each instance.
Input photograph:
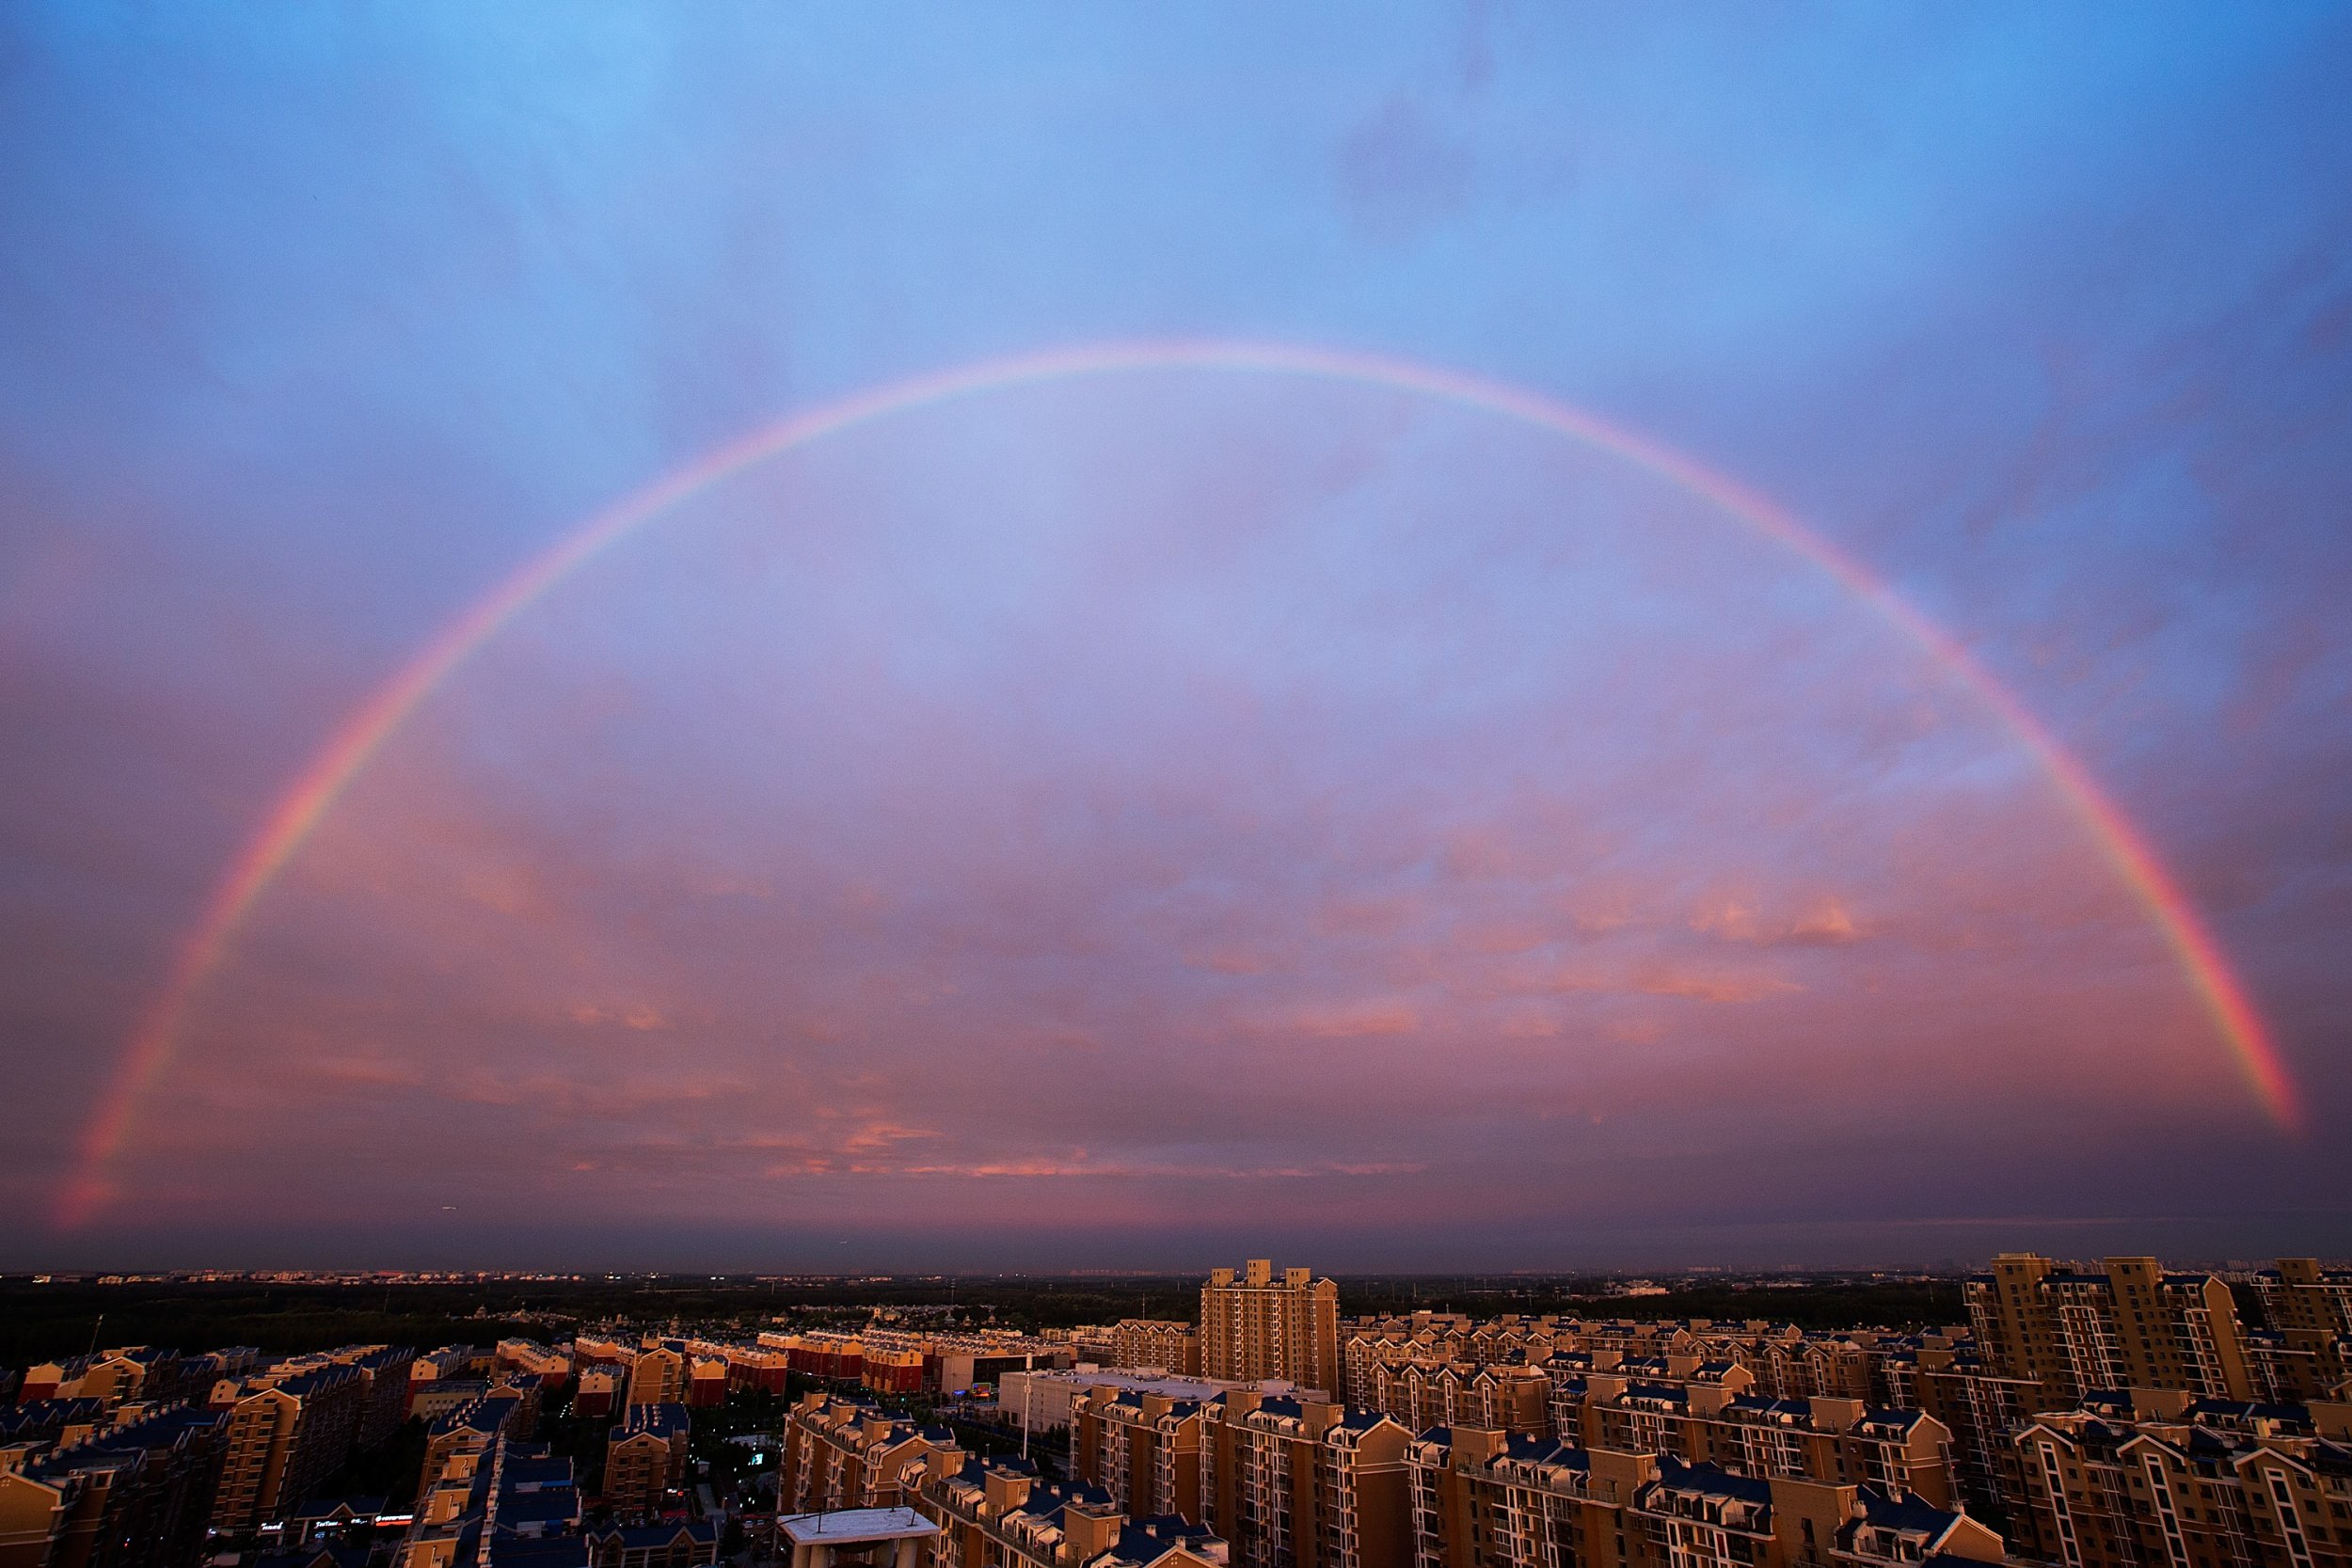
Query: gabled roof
(1713, 1480)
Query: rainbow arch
(347, 750)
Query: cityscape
(2093, 1413)
(1443, 784)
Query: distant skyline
(1172, 812)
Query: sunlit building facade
(1255, 1326)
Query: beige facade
(136, 1496)
(646, 1456)
(1173, 1347)
(1304, 1483)
(1483, 1500)
(2165, 1479)
(1143, 1450)
(842, 1453)
(2299, 1294)
(658, 1376)
(2132, 1325)
(1002, 1515)
(286, 1435)
(1254, 1325)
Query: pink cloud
(1354, 1021)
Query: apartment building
(682, 1543)
(707, 1381)
(1706, 1418)
(2306, 1352)
(2296, 1366)
(136, 1496)
(552, 1365)
(646, 1456)
(1003, 1515)
(1046, 1401)
(1438, 1339)
(2162, 1477)
(841, 1453)
(451, 1363)
(1154, 1344)
(1422, 1393)
(600, 1389)
(286, 1435)
(2299, 1294)
(131, 1372)
(58, 1422)
(1142, 1449)
(1484, 1499)
(1254, 1326)
(1171, 1346)
(658, 1376)
(897, 1361)
(1303, 1484)
(384, 1382)
(2132, 1325)
(383, 1392)
(471, 1429)
(509, 1503)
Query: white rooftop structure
(816, 1537)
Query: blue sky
(314, 324)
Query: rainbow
(315, 791)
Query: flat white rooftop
(850, 1525)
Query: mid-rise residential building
(842, 1452)
(451, 1363)
(2132, 1325)
(678, 1543)
(1424, 1392)
(1289, 1481)
(1173, 1347)
(131, 1372)
(471, 1429)
(2300, 1293)
(384, 1386)
(1142, 1449)
(705, 1381)
(1003, 1515)
(552, 1365)
(2162, 1477)
(1255, 1326)
(286, 1435)
(897, 1361)
(58, 1422)
(1046, 1401)
(646, 1456)
(658, 1376)
(1485, 1499)
(136, 1496)
(598, 1394)
(508, 1503)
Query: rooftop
(851, 1525)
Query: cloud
(1232, 960)
(1354, 1021)
(1712, 987)
(637, 1017)
(366, 1073)
(873, 1136)
(1398, 175)
(1824, 922)
(1661, 977)
(1184, 795)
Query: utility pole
(93, 1333)
(1029, 1397)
